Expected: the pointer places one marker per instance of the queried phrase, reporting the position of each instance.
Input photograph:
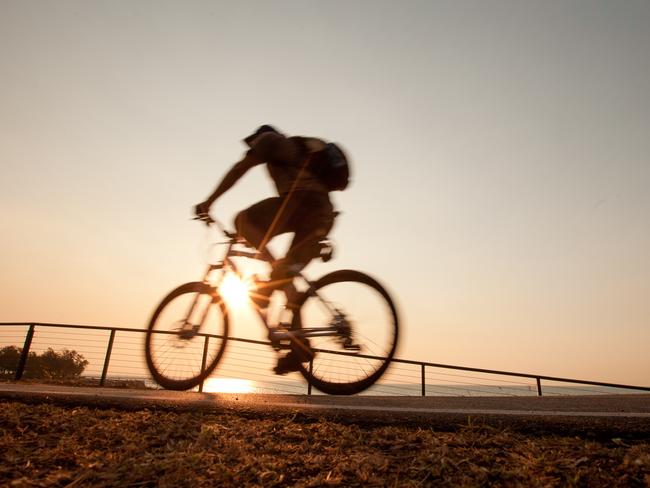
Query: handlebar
(207, 219)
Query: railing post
(539, 387)
(25, 353)
(203, 360)
(109, 350)
(423, 380)
(311, 369)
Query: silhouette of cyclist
(304, 171)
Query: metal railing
(405, 377)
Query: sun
(234, 291)
(228, 385)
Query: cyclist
(304, 171)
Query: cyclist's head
(266, 128)
(261, 130)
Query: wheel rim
(370, 320)
(180, 352)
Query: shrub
(64, 364)
(9, 357)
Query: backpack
(329, 165)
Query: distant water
(236, 385)
(494, 390)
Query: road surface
(610, 414)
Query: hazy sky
(500, 152)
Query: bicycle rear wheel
(187, 336)
(358, 354)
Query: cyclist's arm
(232, 176)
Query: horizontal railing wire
(252, 360)
(473, 384)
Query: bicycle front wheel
(352, 325)
(186, 336)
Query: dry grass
(46, 445)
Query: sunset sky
(500, 154)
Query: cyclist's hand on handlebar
(202, 211)
(202, 208)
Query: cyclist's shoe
(301, 352)
(287, 364)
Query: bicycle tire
(196, 343)
(322, 376)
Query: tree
(51, 364)
(9, 357)
(54, 365)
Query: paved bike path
(602, 413)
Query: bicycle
(187, 334)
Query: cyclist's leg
(254, 223)
(258, 224)
(311, 225)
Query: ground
(52, 445)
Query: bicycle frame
(276, 334)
